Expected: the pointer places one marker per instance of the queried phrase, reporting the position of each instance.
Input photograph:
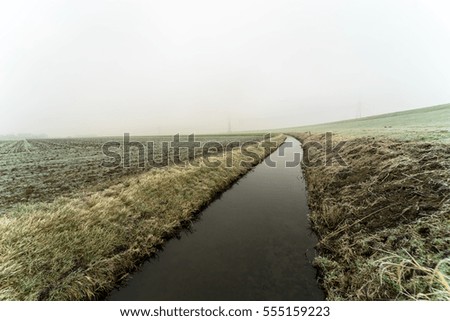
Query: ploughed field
(39, 170)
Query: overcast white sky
(107, 67)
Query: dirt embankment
(383, 219)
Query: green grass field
(430, 123)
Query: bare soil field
(40, 170)
(383, 220)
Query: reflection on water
(253, 243)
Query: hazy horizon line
(13, 136)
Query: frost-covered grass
(383, 220)
(40, 170)
(81, 247)
(422, 124)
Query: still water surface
(253, 243)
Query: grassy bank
(422, 124)
(81, 247)
(383, 220)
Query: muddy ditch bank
(383, 217)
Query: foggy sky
(149, 67)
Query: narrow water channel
(253, 243)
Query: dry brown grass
(80, 248)
(435, 280)
(384, 220)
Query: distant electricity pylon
(359, 110)
(229, 126)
